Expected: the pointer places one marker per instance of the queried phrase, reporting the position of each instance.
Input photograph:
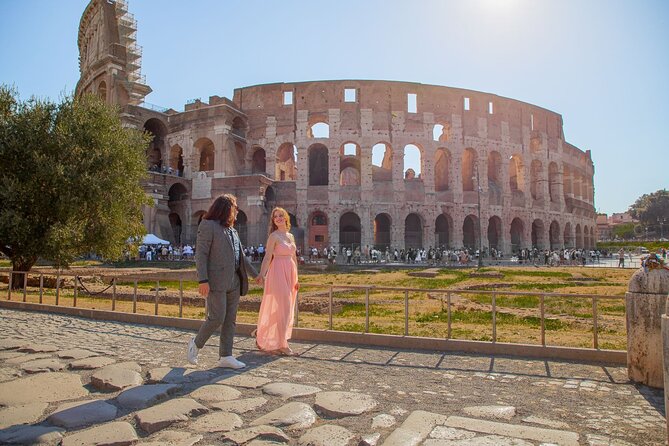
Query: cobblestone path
(73, 381)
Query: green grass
(503, 301)
(374, 310)
(530, 273)
(485, 317)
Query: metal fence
(378, 302)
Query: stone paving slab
(267, 433)
(76, 353)
(45, 388)
(82, 413)
(239, 406)
(498, 412)
(26, 434)
(245, 381)
(565, 438)
(159, 417)
(293, 415)
(38, 348)
(179, 375)
(172, 438)
(11, 344)
(289, 390)
(42, 365)
(117, 433)
(214, 393)
(217, 422)
(327, 435)
(343, 404)
(92, 363)
(114, 378)
(23, 414)
(146, 395)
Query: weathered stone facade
(332, 153)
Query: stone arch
(413, 231)
(538, 234)
(318, 126)
(469, 160)
(382, 162)
(586, 237)
(554, 182)
(177, 160)
(516, 175)
(318, 230)
(239, 127)
(286, 162)
(241, 225)
(204, 148)
(554, 235)
(567, 236)
(382, 231)
(495, 233)
(443, 228)
(470, 235)
(568, 182)
(270, 198)
(517, 233)
(441, 132)
(177, 226)
(240, 155)
(258, 161)
(349, 164)
(350, 230)
(442, 169)
(495, 189)
(411, 152)
(579, 237)
(102, 90)
(536, 172)
(318, 165)
(156, 148)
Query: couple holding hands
(223, 270)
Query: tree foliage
(624, 231)
(649, 208)
(69, 179)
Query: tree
(69, 180)
(651, 209)
(624, 231)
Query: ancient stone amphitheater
(355, 162)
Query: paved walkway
(78, 381)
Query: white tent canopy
(152, 239)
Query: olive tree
(69, 179)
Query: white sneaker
(192, 351)
(229, 362)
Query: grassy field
(517, 294)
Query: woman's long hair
(286, 217)
(221, 210)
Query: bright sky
(602, 64)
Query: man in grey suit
(222, 270)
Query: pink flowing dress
(275, 321)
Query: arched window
(154, 152)
(205, 148)
(319, 130)
(258, 163)
(413, 232)
(382, 162)
(469, 160)
(412, 162)
(286, 162)
(318, 165)
(442, 170)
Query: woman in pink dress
(278, 272)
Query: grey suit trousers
(221, 312)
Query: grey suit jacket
(214, 259)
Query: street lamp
(478, 193)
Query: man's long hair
(221, 210)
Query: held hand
(259, 280)
(297, 286)
(203, 289)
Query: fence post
(9, 289)
(595, 340)
(330, 309)
(543, 321)
(25, 286)
(448, 310)
(76, 291)
(155, 312)
(494, 317)
(406, 312)
(134, 298)
(367, 310)
(181, 297)
(114, 294)
(57, 287)
(41, 286)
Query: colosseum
(489, 170)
